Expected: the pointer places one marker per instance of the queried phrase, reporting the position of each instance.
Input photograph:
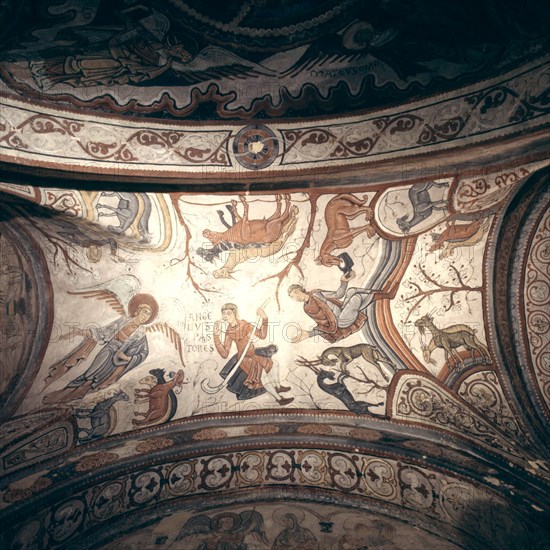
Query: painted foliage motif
(247, 302)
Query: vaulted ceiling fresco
(261, 58)
(274, 332)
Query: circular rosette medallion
(255, 147)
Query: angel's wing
(326, 49)
(173, 311)
(359, 42)
(195, 526)
(253, 522)
(213, 63)
(91, 35)
(117, 292)
(171, 333)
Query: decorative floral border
(380, 480)
(512, 104)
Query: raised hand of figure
(261, 313)
(300, 336)
(123, 357)
(217, 328)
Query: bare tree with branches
(447, 286)
(295, 262)
(62, 252)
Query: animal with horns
(161, 398)
(449, 339)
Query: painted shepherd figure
(337, 314)
(255, 373)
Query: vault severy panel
(259, 59)
(284, 526)
(426, 273)
(182, 256)
(508, 107)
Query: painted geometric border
(392, 482)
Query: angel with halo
(124, 341)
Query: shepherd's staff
(215, 389)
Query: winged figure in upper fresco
(293, 534)
(357, 42)
(225, 531)
(123, 342)
(141, 52)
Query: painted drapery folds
(376, 304)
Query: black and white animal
(102, 417)
(127, 211)
(345, 355)
(214, 252)
(422, 204)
